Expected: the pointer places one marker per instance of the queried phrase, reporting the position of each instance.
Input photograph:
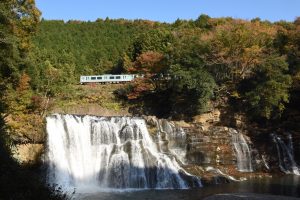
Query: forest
(253, 66)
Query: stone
(182, 124)
(28, 153)
(203, 118)
(216, 114)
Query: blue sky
(169, 10)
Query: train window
(99, 77)
(111, 77)
(118, 77)
(93, 78)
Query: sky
(168, 10)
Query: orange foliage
(23, 83)
(239, 45)
(140, 86)
(149, 62)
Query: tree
(147, 59)
(22, 97)
(126, 64)
(203, 22)
(192, 88)
(18, 20)
(149, 62)
(91, 47)
(155, 40)
(236, 49)
(267, 92)
(149, 65)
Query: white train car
(108, 78)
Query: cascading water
(285, 152)
(115, 152)
(242, 151)
(172, 138)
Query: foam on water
(117, 152)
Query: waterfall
(242, 151)
(172, 138)
(285, 153)
(109, 152)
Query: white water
(172, 138)
(285, 152)
(116, 152)
(218, 171)
(242, 151)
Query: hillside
(88, 47)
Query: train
(108, 78)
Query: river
(283, 185)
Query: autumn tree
(148, 60)
(23, 94)
(148, 65)
(236, 49)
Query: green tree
(18, 20)
(155, 40)
(203, 21)
(267, 92)
(192, 89)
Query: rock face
(210, 147)
(28, 153)
(275, 152)
(201, 147)
(206, 143)
(229, 151)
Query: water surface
(285, 185)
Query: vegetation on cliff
(18, 21)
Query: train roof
(111, 75)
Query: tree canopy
(200, 60)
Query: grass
(84, 98)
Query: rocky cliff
(216, 152)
